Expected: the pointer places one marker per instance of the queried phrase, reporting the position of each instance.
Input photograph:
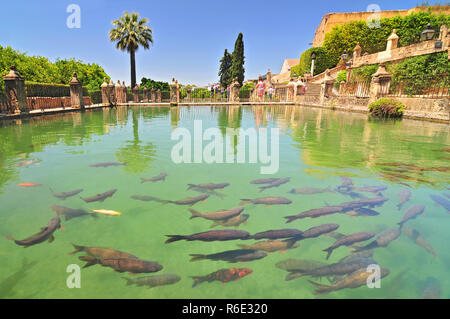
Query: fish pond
(56, 165)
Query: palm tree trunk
(133, 68)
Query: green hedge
(346, 36)
(387, 108)
(323, 61)
(49, 90)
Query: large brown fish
(360, 254)
(310, 190)
(278, 234)
(232, 256)
(339, 269)
(369, 189)
(271, 246)
(315, 213)
(148, 199)
(160, 177)
(354, 280)
(223, 214)
(212, 235)
(233, 221)
(404, 195)
(299, 265)
(102, 253)
(383, 239)
(100, 197)
(46, 233)
(222, 275)
(207, 191)
(418, 239)
(132, 265)
(349, 240)
(370, 202)
(70, 213)
(264, 181)
(210, 187)
(276, 183)
(267, 201)
(412, 213)
(154, 281)
(319, 230)
(65, 195)
(107, 164)
(190, 200)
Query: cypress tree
(237, 69)
(225, 69)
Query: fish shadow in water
(8, 284)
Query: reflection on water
(407, 161)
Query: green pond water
(316, 148)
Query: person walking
(260, 89)
(291, 89)
(270, 93)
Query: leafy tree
(151, 84)
(130, 33)
(237, 69)
(322, 63)
(225, 69)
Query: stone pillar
(145, 91)
(173, 93)
(326, 87)
(188, 94)
(119, 92)
(15, 92)
(76, 92)
(124, 92)
(112, 93)
(104, 90)
(158, 96)
(235, 91)
(392, 41)
(136, 94)
(381, 83)
(357, 51)
(153, 95)
(178, 92)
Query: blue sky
(189, 36)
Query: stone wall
(330, 20)
(40, 103)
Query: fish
(339, 269)
(69, 213)
(278, 234)
(369, 189)
(233, 221)
(46, 233)
(412, 213)
(267, 201)
(223, 214)
(315, 213)
(107, 164)
(271, 246)
(359, 212)
(160, 177)
(222, 275)
(347, 181)
(131, 265)
(319, 230)
(210, 187)
(276, 183)
(264, 181)
(310, 190)
(299, 265)
(354, 280)
(154, 281)
(212, 235)
(358, 254)
(371, 202)
(102, 253)
(190, 200)
(210, 192)
(29, 185)
(99, 197)
(106, 212)
(147, 198)
(232, 256)
(349, 240)
(442, 202)
(27, 163)
(418, 239)
(405, 196)
(335, 235)
(383, 239)
(65, 195)
(432, 289)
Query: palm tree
(130, 33)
